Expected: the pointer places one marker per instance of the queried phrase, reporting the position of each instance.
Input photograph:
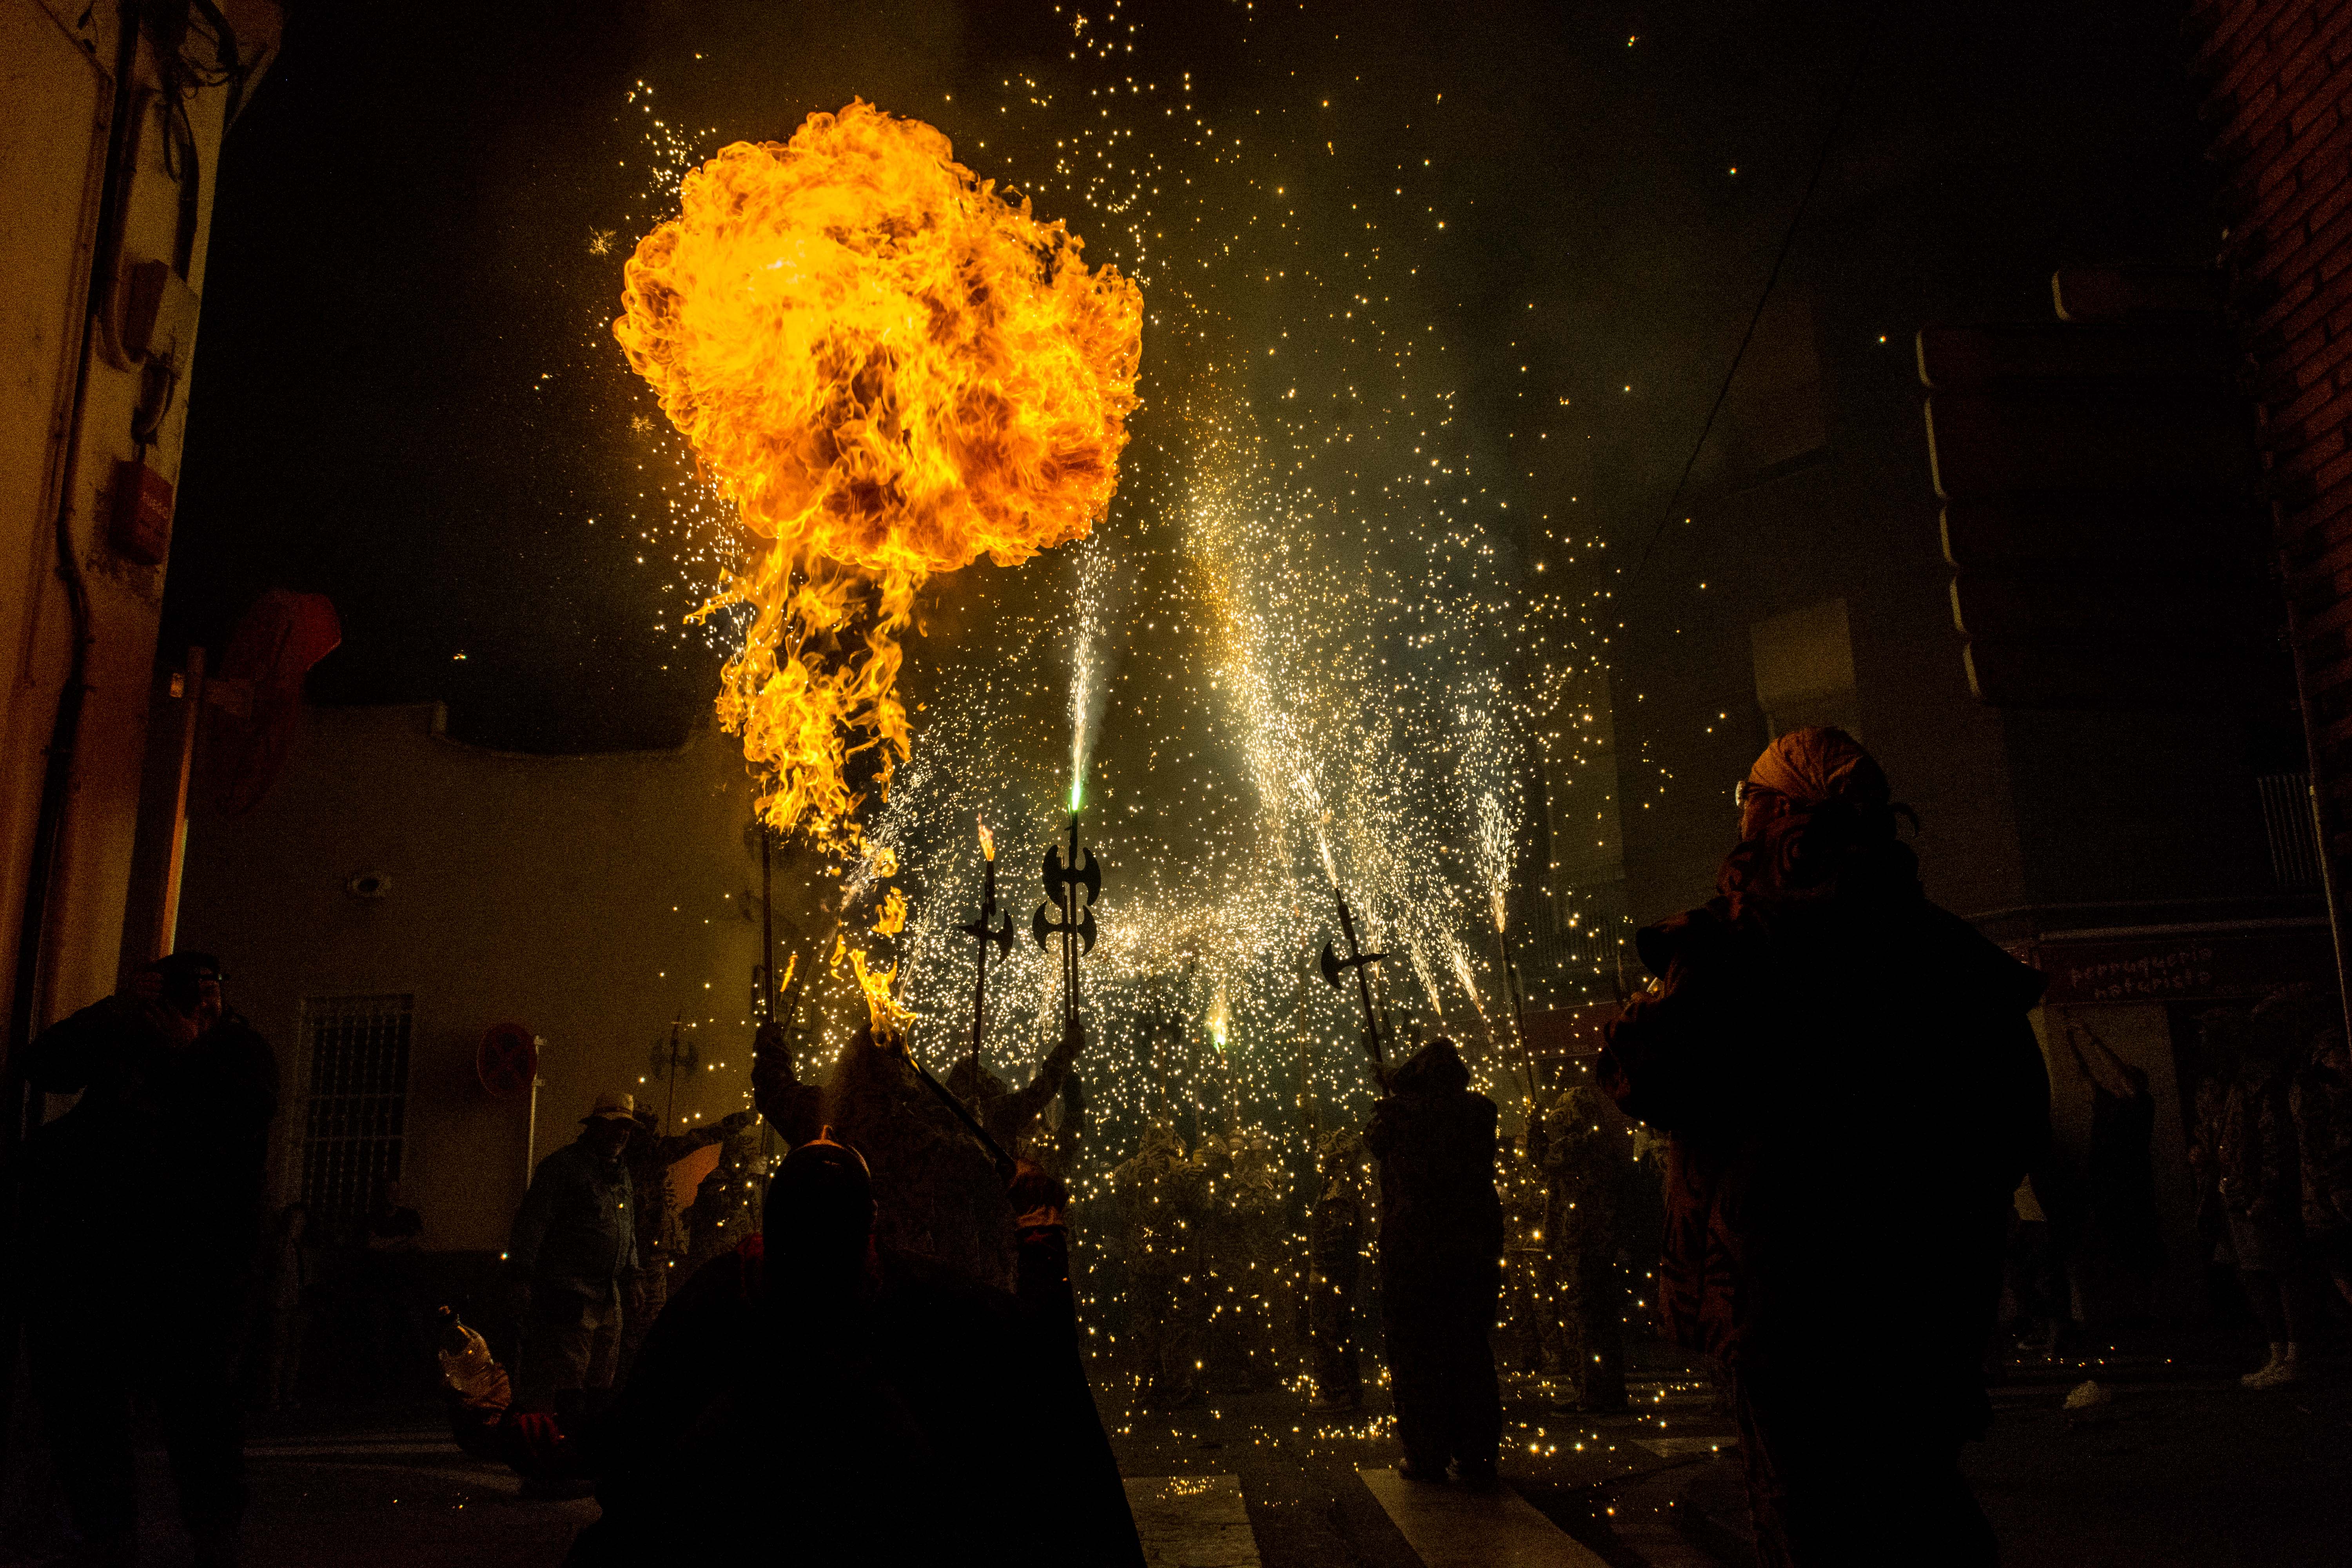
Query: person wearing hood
(1161, 1195)
(1821, 1039)
(1011, 1115)
(1441, 1259)
(938, 1191)
(819, 1393)
(1580, 1146)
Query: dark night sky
(408, 399)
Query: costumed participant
(937, 1190)
(1441, 1249)
(1241, 1237)
(1011, 1115)
(1160, 1195)
(572, 1251)
(661, 1247)
(1582, 1149)
(1822, 1040)
(726, 1206)
(1525, 1335)
(819, 1394)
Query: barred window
(356, 1102)
(2294, 839)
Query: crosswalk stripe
(1453, 1527)
(1683, 1448)
(1192, 1521)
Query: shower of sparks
(1337, 625)
(1088, 691)
(1495, 849)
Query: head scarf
(1811, 767)
(1836, 835)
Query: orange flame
(987, 841)
(893, 918)
(892, 371)
(888, 1016)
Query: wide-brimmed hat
(611, 1107)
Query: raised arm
(65, 1057)
(795, 1109)
(1023, 1105)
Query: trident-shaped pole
(1357, 960)
(1072, 889)
(1000, 937)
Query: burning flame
(888, 1016)
(1221, 1016)
(987, 841)
(893, 918)
(892, 371)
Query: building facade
(399, 895)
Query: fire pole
(1358, 960)
(1001, 937)
(1066, 879)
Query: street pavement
(2178, 1465)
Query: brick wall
(2277, 77)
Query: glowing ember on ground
(890, 371)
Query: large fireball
(890, 371)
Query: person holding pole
(1441, 1251)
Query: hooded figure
(1010, 1114)
(1440, 1255)
(1161, 1196)
(937, 1192)
(816, 1395)
(1822, 1041)
(1583, 1150)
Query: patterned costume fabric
(1585, 1150)
(1162, 1194)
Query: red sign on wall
(2191, 966)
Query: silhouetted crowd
(1828, 1107)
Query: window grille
(2295, 844)
(356, 1104)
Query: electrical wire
(1821, 160)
